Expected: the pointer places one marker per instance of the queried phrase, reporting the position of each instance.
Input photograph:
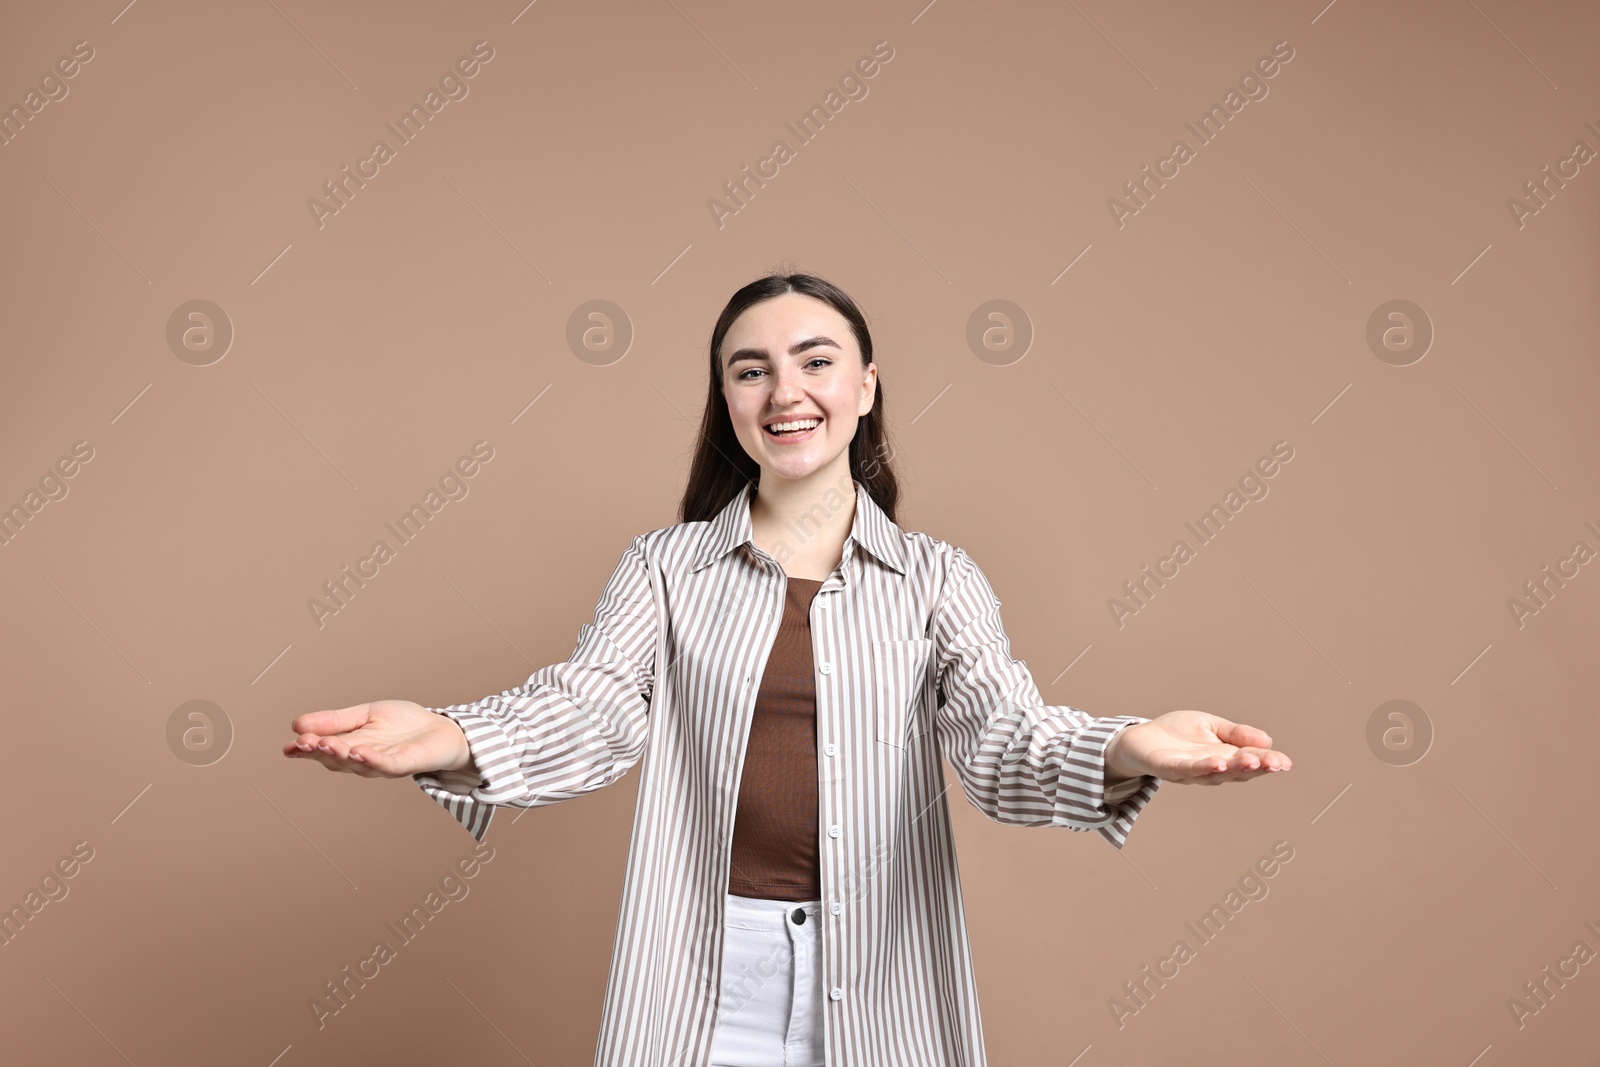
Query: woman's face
(794, 358)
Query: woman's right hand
(381, 739)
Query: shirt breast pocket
(902, 674)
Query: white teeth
(803, 424)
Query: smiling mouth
(791, 433)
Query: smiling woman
(792, 670)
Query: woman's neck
(803, 527)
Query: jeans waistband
(773, 913)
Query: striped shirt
(911, 665)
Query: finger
(1237, 733)
(1270, 759)
(1232, 776)
(336, 721)
(337, 747)
(1190, 766)
(333, 764)
(399, 760)
(383, 760)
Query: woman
(791, 894)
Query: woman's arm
(1026, 763)
(1019, 760)
(570, 729)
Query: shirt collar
(871, 529)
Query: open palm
(380, 739)
(1195, 748)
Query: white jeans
(771, 1004)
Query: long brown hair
(721, 467)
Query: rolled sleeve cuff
(471, 798)
(1090, 803)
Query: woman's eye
(745, 375)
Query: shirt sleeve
(572, 727)
(1020, 761)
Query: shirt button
(833, 831)
(836, 993)
(836, 908)
(827, 668)
(829, 748)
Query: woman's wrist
(463, 752)
(1118, 768)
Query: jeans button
(799, 916)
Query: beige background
(1229, 313)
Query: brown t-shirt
(775, 826)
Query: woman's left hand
(1193, 748)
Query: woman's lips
(790, 438)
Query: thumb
(330, 723)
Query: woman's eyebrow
(794, 350)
